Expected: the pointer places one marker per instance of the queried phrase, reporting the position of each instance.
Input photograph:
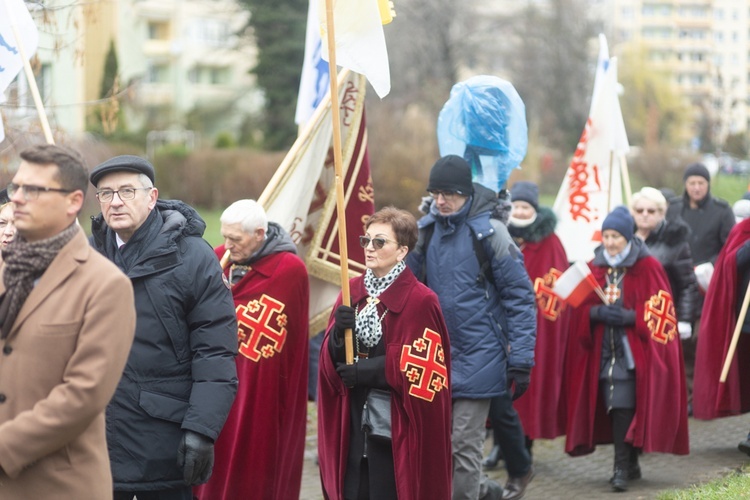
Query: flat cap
(128, 163)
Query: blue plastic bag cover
(484, 121)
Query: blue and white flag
(14, 13)
(315, 81)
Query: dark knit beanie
(525, 191)
(621, 221)
(697, 169)
(451, 173)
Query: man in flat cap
(180, 379)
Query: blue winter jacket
(491, 327)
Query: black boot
(529, 445)
(744, 446)
(621, 418)
(620, 480)
(634, 470)
(491, 460)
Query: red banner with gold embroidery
(301, 196)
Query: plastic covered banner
(484, 121)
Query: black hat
(696, 169)
(125, 162)
(621, 221)
(451, 173)
(525, 191)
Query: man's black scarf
(25, 263)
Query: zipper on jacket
(611, 367)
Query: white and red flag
(301, 196)
(592, 186)
(575, 284)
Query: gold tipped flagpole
(338, 168)
(30, 76)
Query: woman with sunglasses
(667, 240)
(624, 371)
(401, 348)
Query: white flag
(10, 54)
(602, 63)
(592, 186)
(315, 80)
(360, 42)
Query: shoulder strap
(427, 235)
(485, 263)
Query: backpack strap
(480, 250)
(427, 233)
(485, 263)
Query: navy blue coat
(181, 374)
(491, 327)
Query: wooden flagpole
(625, 178)
(609, 187)
(735, 336)
(30, 76)
(338, 167)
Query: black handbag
(376, 414)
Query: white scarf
(368, 327)
(616, 260)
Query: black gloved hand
(614, 315)
(195, 455)
(520, 378)
(344, 317)
(348, 373)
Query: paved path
(713, 453)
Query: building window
(157, 73)
(19, 92)
(212, 32)
(158, 30)
(209, 75)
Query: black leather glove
(195, 455)
(348, 373)
(343, 318)
(520, 378)
(613, 315)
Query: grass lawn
(213, 226)
(734, 485)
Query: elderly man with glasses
(180, 379)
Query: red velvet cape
(660, 421)
(542, 407)
(712, 399)
(259, 452)
(420, 415)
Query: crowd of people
(142, 363)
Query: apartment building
(175, 58)
(703, 44)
